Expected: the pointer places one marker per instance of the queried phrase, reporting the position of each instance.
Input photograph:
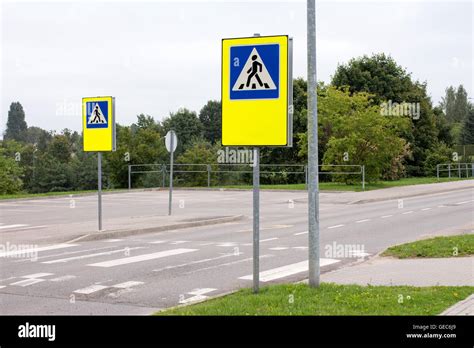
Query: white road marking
(386, 216)
(201, 291)
(90, 289)
(91, 255)
(208, 243)
(28, 282)
(2, 286)
(300, 247)
(278, 248)
(12, 226)
(140, 258)
(36, 275)
(62, 278)
(300, 233)
(273, 227)
(267, 240)
(288, 270)
(112, 240)
(335, 226)
(35, 250)
(359, 221)
(127, 285)
(425, 209)
(198, 295)
(464, 202)
(230, 244)
(441, 206)
(358, 253)
(228, 264)
(158, 242)
(407, 212)
(196, 262)
(179, 242)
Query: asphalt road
(143, 273)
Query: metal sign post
(99, 135)
(171, 142)
(313, 184)
(257, 105)
(256, 219)
(99, 188)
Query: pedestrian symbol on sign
(254, 75)
(97, 115)
(258, 77)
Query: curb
(362, 201)
(177, 226)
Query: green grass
(52, 194)
(331, 299)
(334, 186)
(434, 247)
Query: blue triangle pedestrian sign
(97, 114)
(254, 71)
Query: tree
(352, 131)
(186, 125)
(379, 75)
(211, 120)
(382, 76)
(200, 151)
(448, 103)
(461, 105)
(10, 174)
(468, 128)
(16, 124)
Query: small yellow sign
(256, 79)
(98, 124)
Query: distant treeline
(372, 113)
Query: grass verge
(331, 299)
(449, 246)
(53, 194)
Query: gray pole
(163, 173)
(256, 219)
(313, 184)
(449, 170)
(256, 216)
(363, 177)
(437, 171)
(129, 177)
(459, 170)
(99, 188)
(208, 175)
(171, 176)
(306, 177)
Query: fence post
(437, 171)
(472, 168)
(163, 171)
(459, 170)
(306, 177)
(449, 170)
(129, 177)
(363, 177)
(208, 175)
(467, 171)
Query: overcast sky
(157, 56)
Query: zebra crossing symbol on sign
(254, 71)
(96, 118)
(254, 75)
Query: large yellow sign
(256, 93)
(98, 124)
